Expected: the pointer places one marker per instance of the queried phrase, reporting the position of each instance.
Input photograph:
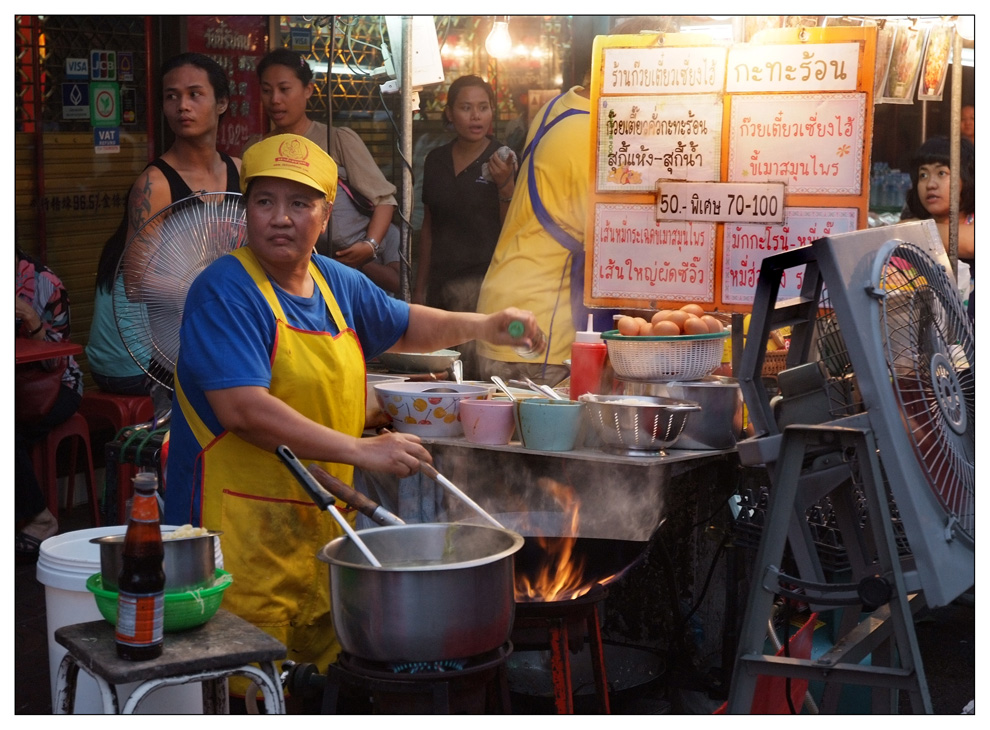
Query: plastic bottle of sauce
(587, 361)
(141, 585)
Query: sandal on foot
(26, 547)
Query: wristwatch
(374, 244)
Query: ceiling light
(499, 43)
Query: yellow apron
(272, 530)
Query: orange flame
(560, 576)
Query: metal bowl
(190, 562)
(720, 421)
(638, 423)
(418, 362)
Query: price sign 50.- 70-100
(721, 202)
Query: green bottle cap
(516, 328)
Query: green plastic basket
(182, 610)
(681, 357)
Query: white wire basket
(684, 357)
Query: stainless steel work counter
(621, 497)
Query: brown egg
(645, 328)
(665, 328)
(660, 316)
(695, 326)
(696, 309)
(712, 323)
(627, 326)
(678, 317)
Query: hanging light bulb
(499, 43)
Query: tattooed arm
(149, 194)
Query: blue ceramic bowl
(549, 425)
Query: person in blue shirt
(273, 342)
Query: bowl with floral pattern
(427, 409)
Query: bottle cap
(589, 335)
(516, 328)
(146, 481)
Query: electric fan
(157, 268)
(876, 426)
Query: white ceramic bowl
(425, 409)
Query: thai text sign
(664, 70)
(805, 67)
(638, 257)
(713, 201)
(745, 245)
(645, 139)
(813, 142)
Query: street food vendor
(272, 349)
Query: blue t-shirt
(226, 340)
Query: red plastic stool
(45, 453)
(119, 411)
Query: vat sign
(106, 140)
(77, 68)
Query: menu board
(707, 158)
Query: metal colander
(638, 422)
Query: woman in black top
(466, 192)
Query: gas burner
(473, 685)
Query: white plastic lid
(588, 335)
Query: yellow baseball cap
(292, 157)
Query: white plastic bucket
(65, 562)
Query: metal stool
(224, 646)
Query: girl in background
(361, 232)
(929, 198)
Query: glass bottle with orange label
(141, 585)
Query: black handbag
(363, 204)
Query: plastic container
(588, 355)
(65, 563)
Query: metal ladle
(432, 473)
(323, 499)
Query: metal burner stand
(551, 623)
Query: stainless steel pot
(444, 591)
(718, 423)
(190, 562)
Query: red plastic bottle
(141, 585)
(587, 361)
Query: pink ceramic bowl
(490, 422)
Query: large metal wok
(442, 591)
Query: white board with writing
(645, 139)
(664, 70)
(804, 67)
(813, 142)
(745, 245)
(637, 257)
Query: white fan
(158, 266)
(876, 422)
